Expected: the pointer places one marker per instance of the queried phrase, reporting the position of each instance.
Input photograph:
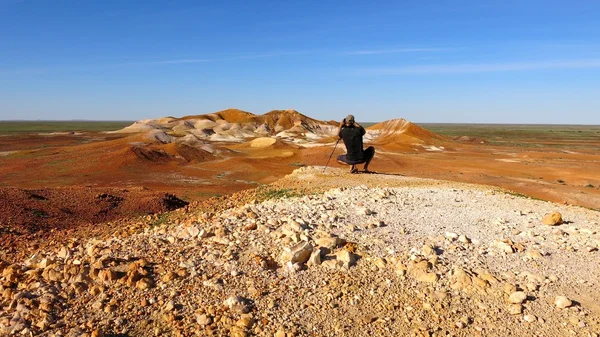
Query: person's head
(349, 120)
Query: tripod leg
(331, 155)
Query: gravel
(394, 256)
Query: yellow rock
(427, 277)
(552, 219)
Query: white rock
(203, 319)
(530, 318)
(315, 258)
(562, 302)
(328, 242)
(299, 253)
(193, 231)
(364, 211)
(237, 303)
(348, 258)
(517, 297)
(503, 246)
(451, 236)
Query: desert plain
(230, 224)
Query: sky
(526, 61)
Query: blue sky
(426, 61)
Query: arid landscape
(126, 221)
(197, 157)
(176, 168)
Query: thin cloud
(483, 67)
(394, 51)
(176, 61)
(267, 55)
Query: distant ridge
(401, 131)
(291, 126)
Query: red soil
(31, 216)
(52, 184)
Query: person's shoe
(354, 170)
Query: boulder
(298, 253)
(562, 302)
(517, 297)
(552, 219)
(348, 258)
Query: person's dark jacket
(352, 137)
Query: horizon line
(415, 122)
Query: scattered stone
(517, 297)
(504, 246)
(329, 242)
(451, 236)
(562, 302)
(346, 257)
(464, 239)
(237, 304)
(515, 309)
(315, 257)
(428, 250)
(300, 253)
(203, 319)
(552, 219)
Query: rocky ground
(323, 254)
(33, 218)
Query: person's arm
(362, 130)
(340, 128)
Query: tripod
(336, 143)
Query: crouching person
(352, 135)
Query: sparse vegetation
(522, 135)
(162, 218)
(519, 195)
(268, 192)
(560, 181)
(14, 127)
(39, 213)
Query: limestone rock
(552, 219)
(203, 319)
(329, 242)
(315, 257)
(515, 309)
(380, 263)
(428, 250)
(364, 211)
(237, 304)
(427, 277)
(504, 246)
(464, 239)
(299, 253)
(401, 269)
(562, 302)
(517, 297)
(348, 258)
